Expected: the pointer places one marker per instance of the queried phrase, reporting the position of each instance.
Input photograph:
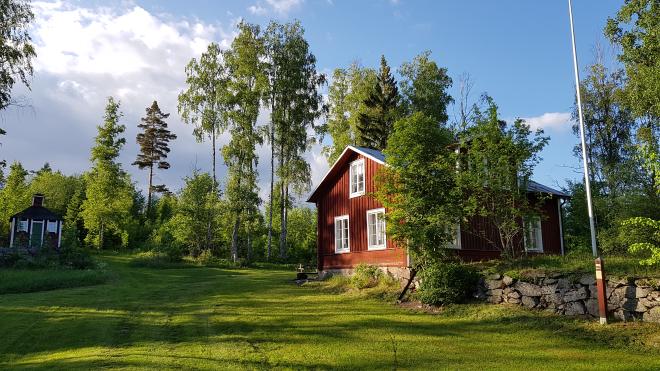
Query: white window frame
(382, 246)
(347, 249)
(538, 234)
(456, 243)
(350, 178)
(52, 223)
(23, 225)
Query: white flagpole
(587, 183)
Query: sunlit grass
(211, 318)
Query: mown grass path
(205, 318)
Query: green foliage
(642, 235)
(366, 276)
(246, 87)
(377, 122)
(109, 193)
(446, 282)
(66, 258)
(201, 103)
(196, 207)
(635, 30)
(418, 187)
(424, 87)
(14, 197)
(609, 127)
(302, 236)
(14, 281)
(496, 162)
(296, 102)
(16, 51)
(349, 90)
(156, 260)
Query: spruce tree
(375, 125)
(154, 146)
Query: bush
(642, 235)
(48, 259)
(19, 281)
(447, 283)
(366, 276)
(155, 259)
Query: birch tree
(295, 103)
(246, 86)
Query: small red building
(351, 224)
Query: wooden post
(601, 289)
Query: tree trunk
(249, 237)
(285, 209)
(101, 237)
(215, 182)
(272, 181)
(234, 239)
(209, 228)
(151, 177)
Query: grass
(211, 318)
(33, 280)
(619, 266)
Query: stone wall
(627, 299)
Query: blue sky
(517, 51)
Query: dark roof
(37, 213)
(377, 155)
(533, 186)
(372, 152)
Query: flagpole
(587, 183)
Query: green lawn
(210, 318)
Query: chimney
(38, 200)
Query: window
(456, 237)
(357, 178)
(51, 227)
(22, 226)
(376, 229)
(533, 236)
(342, 241)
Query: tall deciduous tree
(199, 104)
(635, 30)
(109, 194)
(424, 88)
(16, 50)
(495, 164)
(418, 187)
(349, 90)
(295, 103)
(375, 125)
(609, 128)
(245, 88)
(154, 146)
(14, 197)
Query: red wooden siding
(475, 247)
(334, 201)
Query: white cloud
(86, 54)
(279, 7)
(557, 121)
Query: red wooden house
(351, 224)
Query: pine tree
(375, 125)
(154, 146)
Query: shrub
(19, 281)
(447, 283)
(642, 235)
(155, 259)
(366, 276)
